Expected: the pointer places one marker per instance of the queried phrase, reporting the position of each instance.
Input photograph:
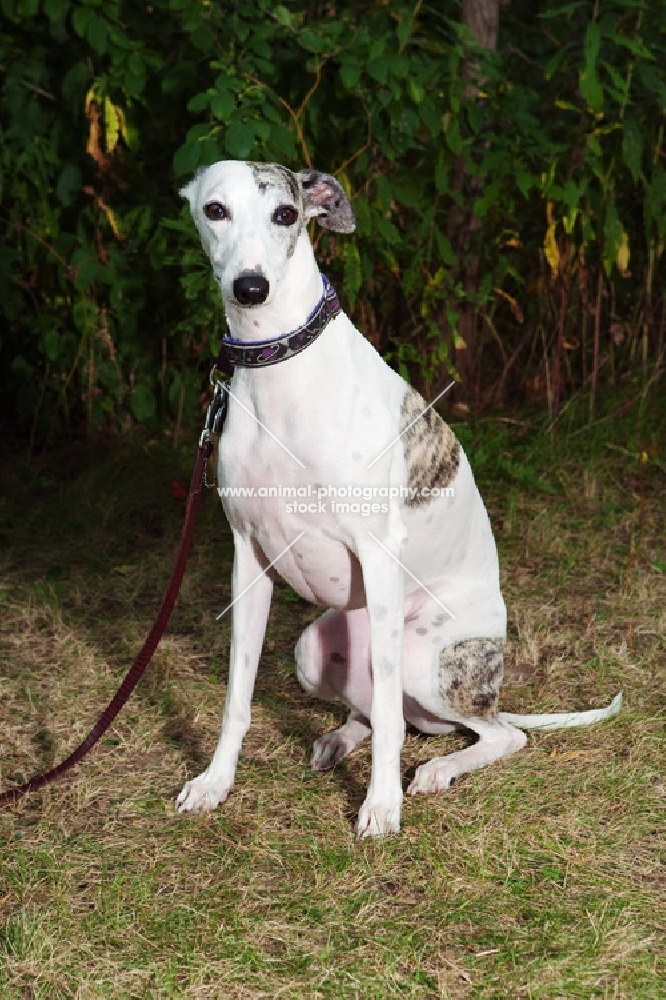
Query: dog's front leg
(384, 589)
(250, 614)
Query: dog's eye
(215, 211)
(285, 215)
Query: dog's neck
(300, 291)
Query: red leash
(214, 420)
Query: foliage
(109, 314)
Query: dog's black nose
(251, 289)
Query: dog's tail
(562, 720)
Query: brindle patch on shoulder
(432, 451)
(470, 675)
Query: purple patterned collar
(262, 353)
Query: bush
(551, 168)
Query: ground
(542, 876)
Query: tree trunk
(482, 19)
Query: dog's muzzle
(251, 289)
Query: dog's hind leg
(330, 748)
(333, 663)
(469, 674)
(496, 740)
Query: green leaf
(87, 269)
(635, 45)
(52, 344)
(632, 146)
(553, 64)
(97, 31)
(416, 91)
(223, 105)
(404, 29)
(272, 113)
(199, 102)
(379, 69)
(388, 231)
(22, 368)
(187, 158)
(75, 83)
(80, 17)
(613, 232)
(283, 16)
(453, 137)
(239, 140)
(590, 88)
(68, 184)
(487, 199)
(353, 274)
(384, 192)
(619, 82)
(54, 9)
(350, 74)
(430, 116)
(282, 141)
(312, 42)
(445, 249)
(441, 174)
(210, 151)
(142, 403)
(525, 180)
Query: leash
(213, 426)
(259, 354)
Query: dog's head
(252, 220)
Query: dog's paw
(435, 776)
(329, 750)
(377, 819)
(201, 794)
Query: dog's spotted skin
(432, 451)
(276, 177)
(470, 675)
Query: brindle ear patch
(324, 199)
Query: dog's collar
(262, 353)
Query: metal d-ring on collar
(262, 353)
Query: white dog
(406, 563)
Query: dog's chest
(299, 530)
(302, 508)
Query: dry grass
(539, 877)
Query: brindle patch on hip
(432, 452)
(470, 675)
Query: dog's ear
(190, 190)
(324, 199)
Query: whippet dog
(406, 563)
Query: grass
(539, 877)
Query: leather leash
(213, 425)
(247, 355)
